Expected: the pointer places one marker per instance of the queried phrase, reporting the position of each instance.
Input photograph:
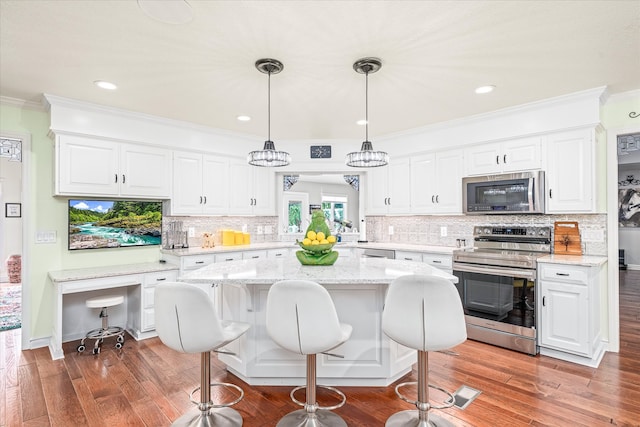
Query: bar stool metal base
(218, 417)
(319, 418)
(412, 419)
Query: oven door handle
(495, 271)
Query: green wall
(48, 213)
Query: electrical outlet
(192, 232)
(259, 229)
(268, 229)
(443, 231)
(391, 230)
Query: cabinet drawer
(561, 273)
(254, 255)
(438, 260)
(229, 256)
(277, 253)
(152, 279)
(197, 261)
(409, 256)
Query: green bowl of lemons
(317, 249)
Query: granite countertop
(108, 271)
(584, 260)
(345, 271)
(278, 245)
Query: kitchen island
(357, 286)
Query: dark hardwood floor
(147, 384)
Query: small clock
(320, 151)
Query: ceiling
(434, 54)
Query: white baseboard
(39, 342)
(633, 266)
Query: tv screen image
(97, 224)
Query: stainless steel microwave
(513, 193)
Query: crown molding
(21, 103)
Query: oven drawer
(563, 273)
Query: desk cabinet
(147, 315)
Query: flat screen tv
(98, 224)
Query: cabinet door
(399, 186)
(264, 191)
(241, 188)
(377, 193)
(423, 183)
(187, 195)
(521, 154)
(483, 159)
(570, 173)
(87, 166)
(448, 178)
(409, 256)
(564, 317)
(145, 171)
(215, 185)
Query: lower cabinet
(148, 317)
(569, 312)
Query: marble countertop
(348, 270)
(108, 271)
(584, 260)
(278, 245)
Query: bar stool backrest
(424, 313)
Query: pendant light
(366, 157)
(268, 156)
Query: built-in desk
(135, 281)
(358, 288)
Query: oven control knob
(487, 231)
(542, 232)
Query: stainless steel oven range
(497, 284)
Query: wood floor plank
(62, 401)
(87, 402)
(31, 392)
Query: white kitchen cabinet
(229, 256)
(254, 255)
(200, 184)
(409, 256)
(571, 172)
(278, 253)
(442, 261)
(252, 189)
(436, 183)
(87, 166)
(150, 281)
(503, 157)
(569, 311)
(388, 188)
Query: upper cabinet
(571, 172)
(252, 189)
(388, 188)
(87, 166)
(436, 182)
(501, 157)
(199, 184)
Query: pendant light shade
(366, 157)
(269, 156)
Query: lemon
(311, 235)
(306, 241)
(315, 242)
(324, 241)
(331, 239)
(320, 235)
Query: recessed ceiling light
(243, 118)
(167, 11)
(485, 89)
(105, 85)
(361, 122)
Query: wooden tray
(566, 240)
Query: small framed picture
(13, 210)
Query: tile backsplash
(428, 230)
(417, 229)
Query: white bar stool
(105, 331)
(187, 321)
(302, 318)
(424, 313)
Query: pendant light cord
(366, 105)
(269, 106)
